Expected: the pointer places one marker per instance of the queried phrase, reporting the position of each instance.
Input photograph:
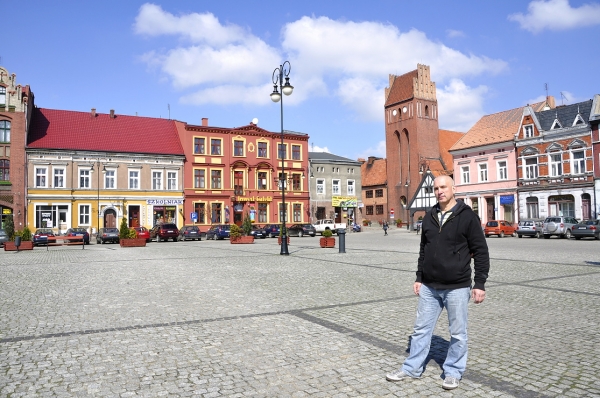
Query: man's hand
(417, 288)
(478, 295)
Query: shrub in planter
(26, 235)
(327, 233)
(247, 225)
(234, 232)
(9, 227)
(327, 240)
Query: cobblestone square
(211, 319)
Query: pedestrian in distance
(385, 228)
(451, 237)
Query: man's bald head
(443, 187)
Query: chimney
(205, 121)
(112, 113)
(93, 112)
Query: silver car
(559, 226)
(3, 237)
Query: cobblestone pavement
(212, 319)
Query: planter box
(25, 245)
(279, 240)
(136, 242)
(242, 240)
(327, 242)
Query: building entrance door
(110, 219)
(134, 216)
(238, 214)
(491, 214)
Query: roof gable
(565, 116)
(374, 173)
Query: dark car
(79, 232)
(272, 230)
(3, 237)
(587, 229)
(190, 232)
(164, 232)
(40, 237)
(300, 230)
(531, 228)
(258, 232)
(107, 235)
(220, 232)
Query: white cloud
(563, 98)
(317, 148)
(378, 150)
(460, 105)
(451, 33)
(556, 15)
(364, 96)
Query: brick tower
(411, 134)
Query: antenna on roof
(563, 97)
(169, 108)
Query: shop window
(297, 212)
(262, 149)
(199, 143)
(4, 130)
(320, 213)
(296, 152)
(262, 212)
(199, 178)
(200, 209)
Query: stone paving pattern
(212, 319)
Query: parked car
(190, 232)
(164, 232)
(499, 228)
(258, 232)
(142, 233)
(273, 230)
(300, 230)
(3, 237)
(220, 231)
(79, 232)
(560, 226)
(587, 229)
(531, 228)
(40, 237)
(107, 235)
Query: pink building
(485, 165)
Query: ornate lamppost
(278, 75)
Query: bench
(65, 240)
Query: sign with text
(344, 201)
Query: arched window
(426, 111)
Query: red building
(233, 172)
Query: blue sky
(215, 59)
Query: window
(84, 214)
(578, 166)
(199, 179)
(215, 176)
(281, 153)
(200, 209)
(199, 145)
(531, 168)
(262, 149)
(84, 178)
(528, 131)
(59, 178)
(2, 95)
(282, 213)
(532, 207)
(238, 182)
(483, 172)
(350, 187)
(378, 209)
(320, 186)
(465, 175)
(157, 180)
(5, 170)
(379, 193)
(369, 210)
(502, 170)
(215, 210)
(215, 146)
(4, 130)
(171, 180)
(238, 148)
(110, 179)
(296, 152)
(555, 160)
(134, 179)
(282, 182)
(262, 212)
(40, 177)
(297, 212)
(335, 187)
(296, 185)
(262, 180)
(369, 194)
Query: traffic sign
(194, 216)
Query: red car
(142, 233)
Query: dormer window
(528, 131)
(556, 125)
(578, 120)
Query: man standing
(385, 227)
(450, 236)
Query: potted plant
(398, 223)
(241, 234)
(327, 239)
(24, 238)
(281, 229)
(128, 237)
(365, 223)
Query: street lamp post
(287, 88)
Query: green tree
(124, 231)
(9, 227)
(247, 225)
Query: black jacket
(446, 251)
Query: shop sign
(6, 211)
(252, 198)
(344, 201)
(164, 201)
(507, 199)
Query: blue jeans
(431, 303)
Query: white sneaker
(450, 383)
(398, 375)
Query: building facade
(594, 122)
(555, 162)
(374, 190)
(90, 170)
(335, 188)
(16, 104)
(234, 172)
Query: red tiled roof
(71, 130)
(447, 139)
(374, 173)
(402, 88)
